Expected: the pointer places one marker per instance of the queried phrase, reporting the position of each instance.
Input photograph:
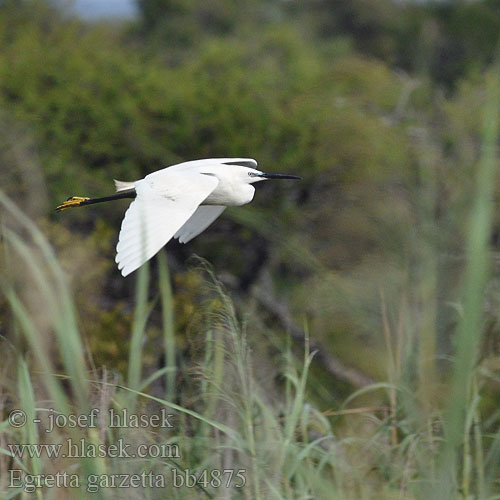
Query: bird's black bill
(279, 176)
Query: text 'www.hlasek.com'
(111, 444)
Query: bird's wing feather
(244, 162)
(162, 207)
(200, 164)
(199, 221)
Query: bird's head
(252, 175)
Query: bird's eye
(251, 174)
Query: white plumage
(198, 222)
(160, 209)
(179, 201)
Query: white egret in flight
(179, 202)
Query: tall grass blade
(28, 404)
(54, 290)
(167, 309)
(476, 273)
(138, 331)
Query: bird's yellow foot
(73, 201)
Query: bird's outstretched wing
(207, 162)
(162, 206)
(199, 221)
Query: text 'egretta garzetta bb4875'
(179, 202)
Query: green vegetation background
(379, 105)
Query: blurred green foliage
(376, 104)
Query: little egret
(179, 202)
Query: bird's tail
(123, 185)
